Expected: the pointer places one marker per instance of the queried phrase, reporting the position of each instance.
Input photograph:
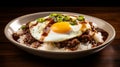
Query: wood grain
(12, 56)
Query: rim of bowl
(24, 46)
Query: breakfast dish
(60, 32)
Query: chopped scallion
(41, 19)
(81, 18)
(66, 18)
(23, 26)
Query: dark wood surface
(11, 56)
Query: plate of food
(59, 35)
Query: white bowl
(13, 26)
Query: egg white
(36, 32)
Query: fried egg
(58, 31)
(63, 31)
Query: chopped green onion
(41, 19)
(81, 18)
(53, 14)
(73, 23)
(23, 26)
(60, 18)
(66, 18)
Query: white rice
(51, 47)
(98, 37)
(84, 46)
(21, 39)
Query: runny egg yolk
(61, 27)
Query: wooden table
(11, 56)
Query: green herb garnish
(73, 23)
(66, 18)
(60, 18)
(23, 27)
(80, 18)
(40, 20)
(53, 15)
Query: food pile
(60, 32)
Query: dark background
(55, 3)
(108, 10)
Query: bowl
(15, 24)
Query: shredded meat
(26, 29)
(15, 36)
(73, 43)
(92, 27)
(85, 38)
(29, 39)
(70, 44)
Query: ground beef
(86, 32)
(92, 27)
(29, 39)
(73, 43)
(85, 38)
(70, 44)
(15, 36)
(26, 29)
